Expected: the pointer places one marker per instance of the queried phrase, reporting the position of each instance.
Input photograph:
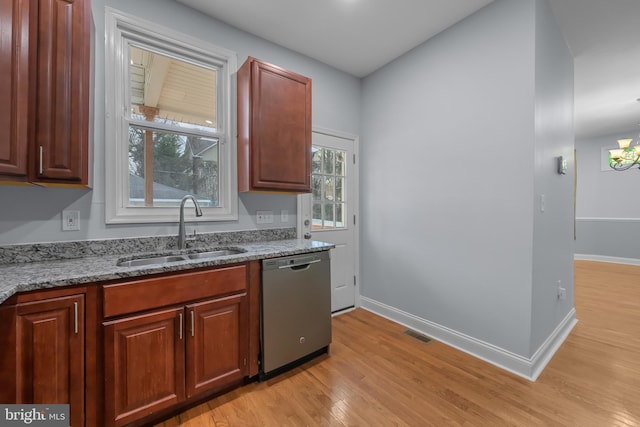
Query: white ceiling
(604, 37)
(360, 36)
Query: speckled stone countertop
(97, 266)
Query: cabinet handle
(41, 168)
(193, 327)
(180, 325)
(75, 316)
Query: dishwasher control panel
(293, 261)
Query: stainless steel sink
(215, 254)
(163, 259)
(151, 260)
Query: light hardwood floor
(378, 376)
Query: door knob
(307, 235)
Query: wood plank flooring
(378, 376)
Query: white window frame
(122, 31)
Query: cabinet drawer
(152, 293)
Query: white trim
(603, 258)
(120, 30)
(554, 341)
(529, 368)
(605, 219)
(336, 133)
(346, 310)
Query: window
(168, 126)
(328, 176)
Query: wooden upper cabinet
(14, 87)
(45, 123)
(63, 109)
(274, 129)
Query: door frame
(356, 207)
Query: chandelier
(626, 156)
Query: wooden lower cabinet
(144, 365)
(121, 352)
(217, 343)
(156, 360)
(48, 364)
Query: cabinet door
(14, 86)
(62, 125)
(50, 353)
(217, 343)
(274, 129)
(144, 365)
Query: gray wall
(32, 214)
(440, 126)
(607, 208)
(552, 229)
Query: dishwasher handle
(298, 267)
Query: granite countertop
(29, 276)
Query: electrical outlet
(70, 220)
(284, 215)
(264, 217)
(562, 292)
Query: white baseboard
(545, 352)
(602, 258)
(529, 368)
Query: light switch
(284, 215)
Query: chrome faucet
(181, 229)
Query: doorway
(329, 213)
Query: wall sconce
(562, 165)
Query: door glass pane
(328, 215)
(340, 215)
(316, 160)
(328, 161)
(166, 166)
(317, 216)
(316, 184)
(340, 158)
(339, 192)
(329, 188)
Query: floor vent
(417, 335)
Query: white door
(328, 214)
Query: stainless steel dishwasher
(296, 310)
